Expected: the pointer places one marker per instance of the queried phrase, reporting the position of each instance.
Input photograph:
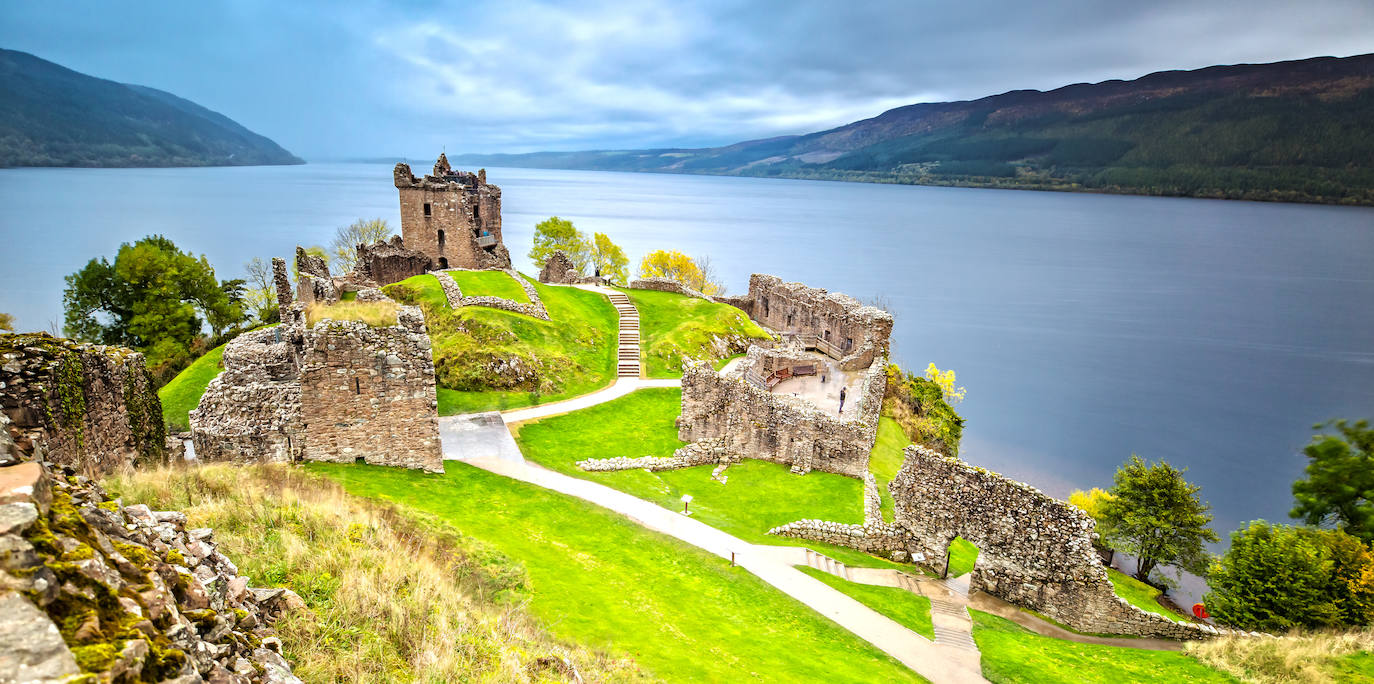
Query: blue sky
(332, 80)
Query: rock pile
(123, 593)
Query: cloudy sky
(329, 80)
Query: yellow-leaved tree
(945, 381)
(674, 265)
(609, 259)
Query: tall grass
(1301, 657)
(393, 596)
(375, 314)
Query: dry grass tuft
(393, 596)
(1299, 657)
(375, 314)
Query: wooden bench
(804, 370)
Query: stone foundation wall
(368, 393)
(388, 262)
(694, 454)
(457, 299)
(668, 285)
(840, 325)
(90, 407)
(755, 423)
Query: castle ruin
(453, 217)
(341, 391)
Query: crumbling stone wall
(251, 412)
(88, 406)
(1034, 551)
(368, 393)
(834, 323)
(755, 423)
(453, 217)
(559, 270)
(456, 298)
(313, 282)
(390, 261)
(668, 285)
(95, 591)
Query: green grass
(182, 395)
(962, 555)
(886, 459)
(490, 284)
(907, 609)
(1356, 667)
(672, 326)
(603, 581)
(1140, 595)
(757, 496)
(570, 355)
(1011, 653)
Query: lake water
(1086, 327)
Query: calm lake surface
(1086, 327)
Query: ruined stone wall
(313, 282)
(251, 412)
(844, 328)
(368, 393)
(463, 209)
(390, 261)
(755, 423)
(456, 298)
(91, 407)
(559, 270)
(282, 283)
(668, 285)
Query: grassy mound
(757, 495)
(603, 581)
(182, 395)
(1140, 595)
(672, 326)
(489, 284)
(487, 359)
(375, 314)
(905, 608)
(393, 596)
(1012, 653)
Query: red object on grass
(1200, 610)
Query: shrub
(918, 405)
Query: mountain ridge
(55, 116)
(1298, 130)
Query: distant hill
(1300, 131)
(53, 116)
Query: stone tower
(454, 217)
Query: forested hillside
(1299, 131)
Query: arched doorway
(443, 262)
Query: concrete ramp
(477, 435)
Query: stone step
(955, 639)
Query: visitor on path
(842, 390)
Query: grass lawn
(1012, 653)
(672, 326)
(600, 580)
(181, 395)
(886, 459)
(490, 284)
(962, 555)
(758, 495)
(907, 609)
(547, 361)
(1356, 667)
(1140, 595)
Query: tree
(1091, 503)
(7, 322)
(1339, 487)
(555, 234)
(609, 259)
(945, 380)
(1156, 516)
(344, 248)
(675, 265)
(260, 298)
(1275, 578)
(226, 312)
(150, 298)
(710, 282)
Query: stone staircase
(956, 631)
(627, 351)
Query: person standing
(842, 391)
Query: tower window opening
(428, 210)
